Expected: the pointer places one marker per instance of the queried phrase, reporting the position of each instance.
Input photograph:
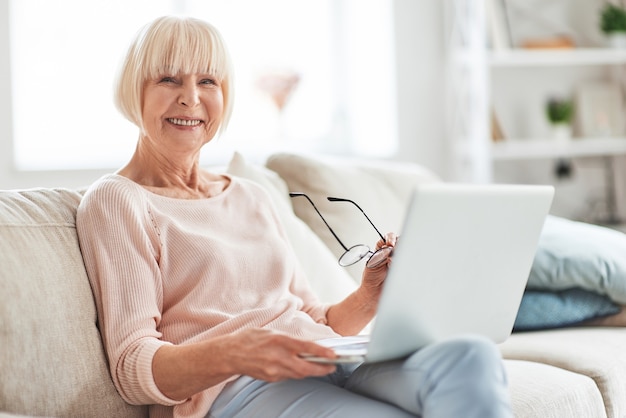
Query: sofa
(52, 360)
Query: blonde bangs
(185, 48)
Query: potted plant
(560, 112)
(613, 24)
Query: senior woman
(202, 306)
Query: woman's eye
(208, 81)
(167, 79)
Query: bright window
(337, 54)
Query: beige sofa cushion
(381, 189)
(594, 352)
(540, 390)
(330, 282)
(52, 361)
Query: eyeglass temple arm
(339, 199)
(294, 194)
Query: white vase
(617, 40)
(561, 132)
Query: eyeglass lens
(379, 257)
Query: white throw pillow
(327, 278)
(381, 188)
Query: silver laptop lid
(460, 265)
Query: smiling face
(160, 59)
(182, 112)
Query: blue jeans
(461, 377)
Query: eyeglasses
(357, 252)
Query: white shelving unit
(565, 69)
(517, 85)
(537, 60)
(556, 57)
(549, 148)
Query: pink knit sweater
(174, 271)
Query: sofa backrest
(381, 188)
(52, 362)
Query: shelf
(522, 149)
(556, 57)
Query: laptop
(460, 266)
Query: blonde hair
(173, 45)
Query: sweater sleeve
(121, 248)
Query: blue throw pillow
(555, 309)
(574, 254)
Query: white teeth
(184, 122)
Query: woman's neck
(172, 177)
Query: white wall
(420, 76)
(9, 176)
(5, 95)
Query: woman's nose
(189, 95)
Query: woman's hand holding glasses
(377, 261)
(356, 253)
(374, 277)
